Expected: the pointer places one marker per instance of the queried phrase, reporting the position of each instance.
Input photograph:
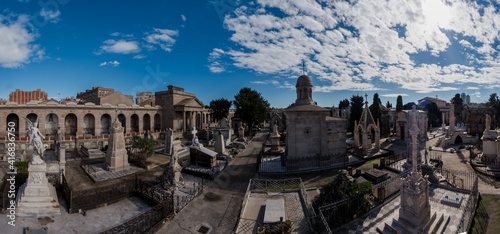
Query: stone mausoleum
(312, 131)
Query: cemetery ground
(217, 208)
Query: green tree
(219, 108)
(493, 101)
(433, 113)
(356, 110)
(251, 107)
(344, 104)
(399, 103)
(458, 103)
(375, 108)
(142, 148)
(388, 104)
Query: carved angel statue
(35, 140)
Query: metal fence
(276, 166)
(78, 200)
(151, 220)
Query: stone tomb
(275, 210)
(200, 155)
(376, 175)
(37, 197)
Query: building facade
(181, 111)
(94, 93)
(312, 131)
(87, 124)
(23, 97)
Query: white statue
(35, 140)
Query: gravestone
(220, 147)
(241, 133)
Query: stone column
(128, 126)
(79, 125)
(184, 121)
(3, 125)
(41, 124)
(62, 125)
(141, 124)
(22, 127)
(97, 125)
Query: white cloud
(361, 45)
(440, 89)
(118, 34)
(162, 37)
(216, 67)
(139, 56)
(111, 63)
(183, 18)
(394, 95)
(16, 42)
(120, 46)
(284, 85)
(127, 44)
(473, 88)
(50, 15)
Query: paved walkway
(217, 207)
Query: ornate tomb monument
(37, 197)
(116, 156)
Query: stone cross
(194, 131)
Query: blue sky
(214, 48)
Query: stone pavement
(217, 208)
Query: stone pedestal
(37, 197)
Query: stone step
(429, 223)
(444, 225)
(436, 224)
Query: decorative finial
(366, 99)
